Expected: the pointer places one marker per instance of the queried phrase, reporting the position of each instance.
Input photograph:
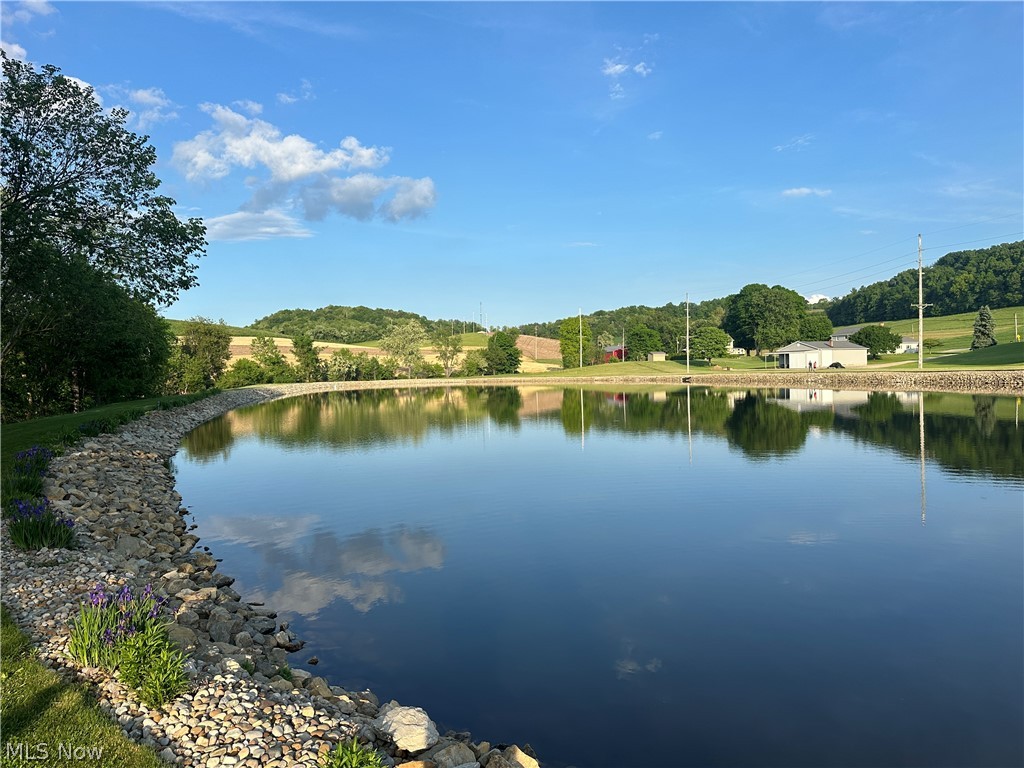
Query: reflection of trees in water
(982, 444)
(748, 421)
(210, 441)
(763, 429)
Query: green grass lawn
(956, 331)
(1001, 356)
(24, 434)
(38, 708)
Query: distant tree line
(958, 282)
(351, 325)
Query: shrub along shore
(245, 705)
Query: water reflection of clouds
(810, 538)
(316, 567)
(629, 667)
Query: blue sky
(540, 157)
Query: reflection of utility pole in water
(689, 434)
(920, 421)
(583, 426)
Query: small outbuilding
(655, 357)
(821, 354)
(616, 352)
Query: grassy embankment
(956, 331)
(42, 712)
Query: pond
(689, 577)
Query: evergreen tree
(984, 329)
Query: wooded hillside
(348, 325)
(958, 282)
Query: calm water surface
(651, 578)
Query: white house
(821, 354)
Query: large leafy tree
(878, 339)
(199, 357)
(569, 335)
(76, 178)
(984, 329)
(448, 348)
(84, 233)
(707, 342)
(307, 359)
(502, 354)
(640, 339)
(403, 342)
(762, 318)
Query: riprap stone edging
(241, 710)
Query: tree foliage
(308, 365)
(403, 342)
(878, 339)
(956, 283)
(88, 247)
(707, 342)
(984, 329)
(816, 327)
(762, 318)
(502, 354)
(640, 340)
(272, 360)
(199, 356)
(350, 325)
(448, 348)
(75, 178)
(569, 336)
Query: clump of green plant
(351, 754)
(25, 479)
(248, 666)
(34, 525)
(285, 672)
(118, 630)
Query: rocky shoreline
(247, 707)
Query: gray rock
(183, 637)
(130, 546)
(224, 630)
(408, 727)
(319, 687)
(454, 755)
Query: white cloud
(655, 135)
(305, 94)
(582, 244)
(246, 142)
(246, 105)
(11, 13)
(797, 143)
(294, 163)
(613, 68)
(147, 106)
(616, 91)
(642, 69)
(805, 192)
(13, 50)
(814, 298)
(245, 225)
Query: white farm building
(821, 354)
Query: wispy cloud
(798, 143)
(806, 192)
(655, 135)
(21, 12)
(621, 66)
(581, 244)
(245, 225)
(246, 105)
(147, 106)
(294, 164)
(262, 20)
(305, 93)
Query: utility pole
(920, 306)
(581, 345)
(687, 331)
